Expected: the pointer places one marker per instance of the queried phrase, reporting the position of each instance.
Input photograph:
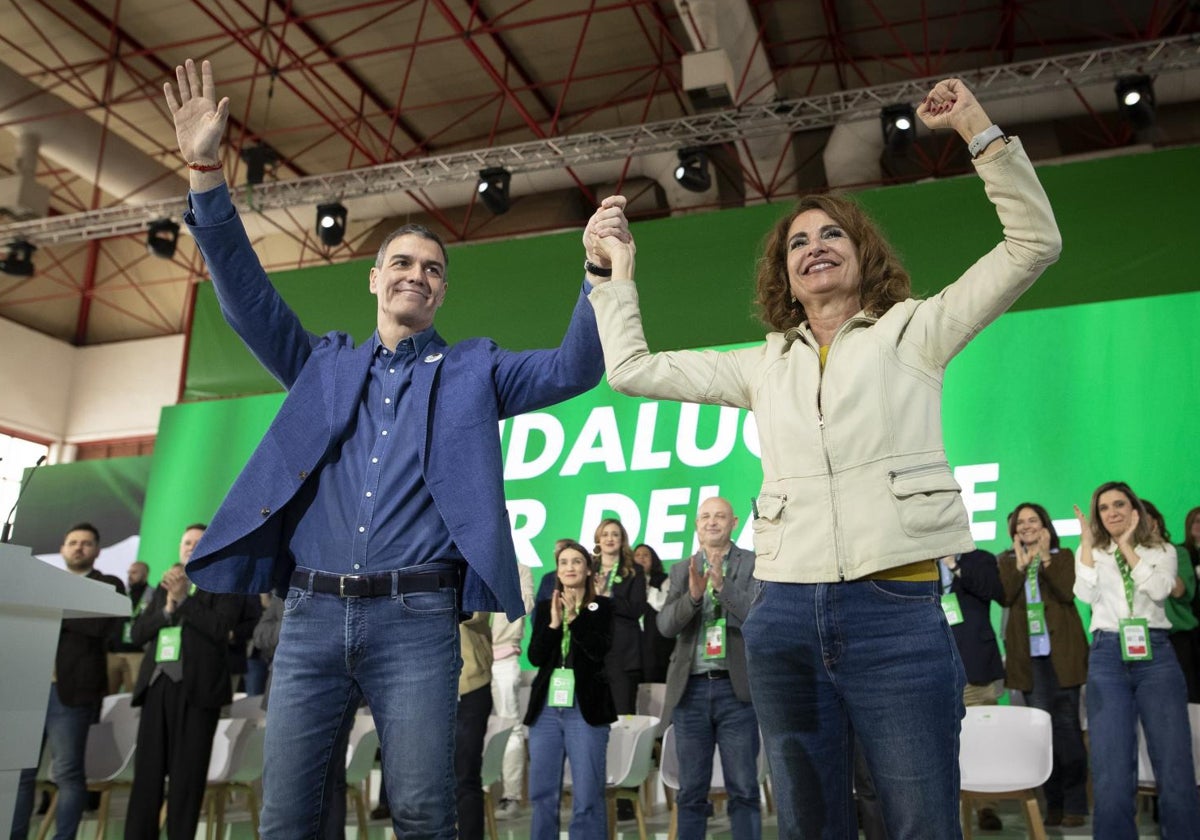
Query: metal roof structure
(393, 106)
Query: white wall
(50, 389)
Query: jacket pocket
(768, 525)
(927, 498)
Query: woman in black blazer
(621, 580)
(570, 705)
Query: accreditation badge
(562, 688)
(952, 609)
(1035, 616)
(127, 632)
(1135, 639)
(170, 644)
(714, 639)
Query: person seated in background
(570, 704)
(183, 683)
(1038, 576)
(708, 693)
(1126, 572)
(970, 583)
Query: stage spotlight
(692, 170)
(162, 238)
(899, 127)
(1135, 100)
(493, 188)
(19, 262)
(257, 159)
(331, 223)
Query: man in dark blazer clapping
(183, 683)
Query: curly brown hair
(883, 281)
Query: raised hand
(716, 574)
(1024, 556)
(1043, 546)
(199, 118)
(556, 609)
(1125, 539)
(607, 235)
(696, 579)
(950, 104)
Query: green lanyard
(712, 594)
(1126, 578)
(566, 642)
(1031, 575)
(612, 576)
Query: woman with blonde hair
(1126, 571)
(620, 579)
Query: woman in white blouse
(1126, 572)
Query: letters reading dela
(704, 436)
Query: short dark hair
(413, 229)
(86, 526)
(196, 526)
(882, 283)
(1042, 514)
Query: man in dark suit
(80, 680)
(183, 683)
(375, 501)
(708, 694)
(970, 582)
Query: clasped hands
(564, 606)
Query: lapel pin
(432, 357)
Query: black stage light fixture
(257, 159)
(493, 188)
(692, 170)
(19, 262)
(1135, 100)
(162, 237)
(331, 223)
(899, 127)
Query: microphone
(6, 536)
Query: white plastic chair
(651, 700)
(668, 770)
(108, 758)
(1005, 753)
(235, 764)
(629, 760)
(250, 708)
(495, 740)
(360, 758)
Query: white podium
(34, 598)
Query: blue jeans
(66, 732)
(710, 715)
(875, 659)
(1066, 789)
(559, 733)
(1118, 694)
(401, 654)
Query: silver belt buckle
(342, 584)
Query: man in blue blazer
(374, 503)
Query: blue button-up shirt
(368, 508)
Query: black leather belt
(374, 585)
(711, 675)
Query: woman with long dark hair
(570, 706)
(1046, 650)
(1126, 572)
